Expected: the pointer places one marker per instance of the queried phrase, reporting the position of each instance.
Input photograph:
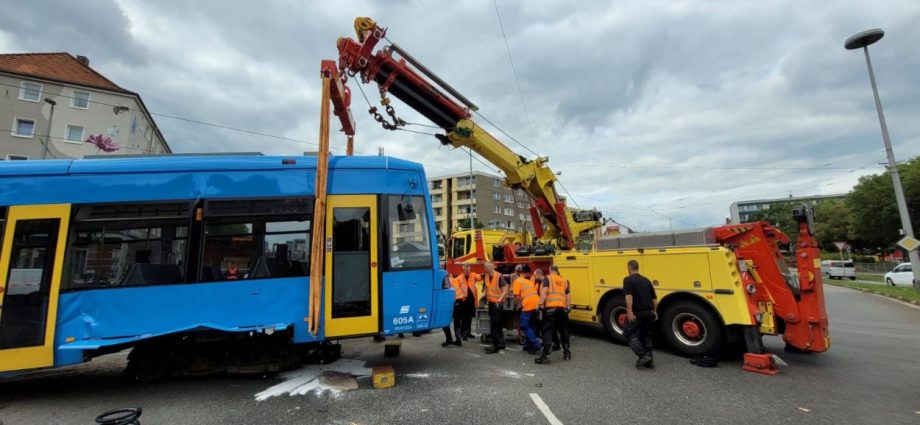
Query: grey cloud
(687, 88)
(95, 28)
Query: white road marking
(553, 420)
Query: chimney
(83, 60)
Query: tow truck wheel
(614, 318)
(692, 329)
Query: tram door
(31, 260)
(351, 292)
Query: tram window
(28, 286)
(115, 252)
(410, 246)
(256, 239)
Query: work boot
(543, 359)
(447, 343)
(643, 362)
(458, 343)
(567, 355)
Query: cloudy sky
(649, 109)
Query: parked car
(834, 269)
(902, 275)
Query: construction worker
(641, 302)
(496, 290)
(556, 302)
(458, 328)
(527, 298)
(470, 303)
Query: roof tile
(61, 67)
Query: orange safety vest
(493, 289)
(463, 286)
(530, 296)
(555, 297)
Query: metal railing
(875, 268)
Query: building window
(496, 196)
(410, 247)
(23, 127)
(437, 184)
(31, 92)
(256, 238)
(75, 133)
(493, 224)
(80, 100)
(509, 212)
(115, 245)
(497, 210)
(437, 198)
(496, 182)
(11, 157)
(509, 198)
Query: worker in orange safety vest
(471, 302)
(527, 299)
(496, 290)
(556, 302)
(464, 291)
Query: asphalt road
(869, 377)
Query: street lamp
(863, 40)
(51, 102)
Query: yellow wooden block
(383, 377)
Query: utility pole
(47, 141)
(472, 197)
(863, 40)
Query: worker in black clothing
(556, 301)
(641, 302)
(495, 291)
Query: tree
(832, 224)
(875, 220)
(780, 216)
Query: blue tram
(201, 263)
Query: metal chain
(396, 123)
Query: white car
(902, 275)
(838, 269)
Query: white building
(85, 104)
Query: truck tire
(614, 318)
(692, 329)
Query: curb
(894, 297)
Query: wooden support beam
(318, 226)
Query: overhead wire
(517, 82)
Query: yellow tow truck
(714, 284)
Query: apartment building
(84, 104)
(458, 197)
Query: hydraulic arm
(399, 74)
